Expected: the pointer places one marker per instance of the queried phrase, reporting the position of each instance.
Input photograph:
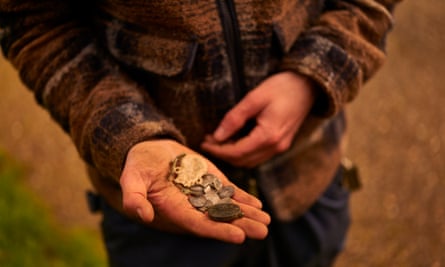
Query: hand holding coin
(151, 198)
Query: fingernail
(219, 134)
(139, 211)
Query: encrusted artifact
(205, 191)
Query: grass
(28, 234)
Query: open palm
(149, 196)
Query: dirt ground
(397, 136)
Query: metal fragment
(226, 191)
(197, 201)
(225, 212)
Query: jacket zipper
(233, 42)
(234, 51)
(235, 54)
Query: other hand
(278, 105)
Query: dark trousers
(315, 239)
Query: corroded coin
(226, 191)
(224, 212)
(212, 180)
(196, 190)
(198, 201)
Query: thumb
(236, 118)
(138, 206)
(134, 198)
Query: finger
(134, 198)
(248, 151)
(255, 214)
(234, 232)
(252, 228)
(237, 117)
(226, 232)
(254, 222)
(137, 205)
(267, 146)
(239, 149)
(199, 224)
(258, 158)
(243, 197)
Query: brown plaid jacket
(113, 73)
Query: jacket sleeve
(52, 46)
(342, 49)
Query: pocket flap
(152, 52)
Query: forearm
(342, 50)
(56, 55)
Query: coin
(198, 201)
(226, 191)
(208, 179)
(196, 190)
(212, 196)
(224, 212)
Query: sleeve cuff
(123, 127)
(328, 65)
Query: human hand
(150, 197)
(278, 105)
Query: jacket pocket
(162, 54)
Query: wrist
(308, 85)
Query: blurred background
(397, 137)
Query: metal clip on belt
(351, 177)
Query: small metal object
(226, 192)
(224, 212)
(205, 191)
(212, 196)
(198, 201)
(351, 176)
(208, 179)
(207, 205)
(196, 190)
